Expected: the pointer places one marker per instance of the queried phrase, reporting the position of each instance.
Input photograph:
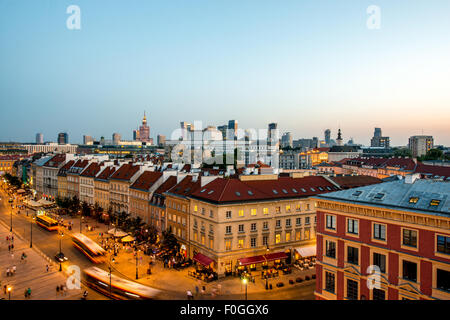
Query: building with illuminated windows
(420, 145)
(400, 228)
(254, 219)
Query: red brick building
(402, 227)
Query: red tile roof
(78, 166)
(185, 187)
(234, 190)
(429, 170)
(146, 180)
(169, 183)
(63, 170)
(106, 173)
(55, 161)
(92, 170)
(125, 172)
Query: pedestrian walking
(14, 270)
(7, 272)
(57, 290)
(189, 295)
(47, 267)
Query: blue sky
(308, 65)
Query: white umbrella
(127, 239)
(117, 233)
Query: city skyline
(307, 67)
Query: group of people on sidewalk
(215, 291)
(61, 290)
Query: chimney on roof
(410, 178)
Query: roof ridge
(223, 189)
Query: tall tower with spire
(339, 138)
(143, 133)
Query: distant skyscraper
(144, 131)
(186, 128)
(232, 128)
(328, 136)
(88, 140)
(377, 132)
(420, 145)
(161, 140)
(339, 138)
(272, 126)
(286, 140)
(378, 140)
(116, 138)
(63, 138)
(223, 129)
(135, 135)
(39, 138)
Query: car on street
(60, 257)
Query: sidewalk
(174, 284)
(31, 273)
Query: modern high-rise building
(286, 140)
(272, 127)
(161, 140)
(135, 135)
(186, 129)
(88, 140)
(39, 138)
(328, 136)
(232, 128)
(63, 138)
(116, 138)
(420, 145)
(378, 140)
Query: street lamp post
(111, 259)
(9, 292)
(60, 251)
(81, 218)
(245, 282)
(31, 232)
(10, 229)
(137, 263)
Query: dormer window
(275, 191)
(435, 202)
(284, 190)
(379, 196)
(357, 193)
(413, 200)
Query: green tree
(434, 154)
(169, 240)
(85, 209)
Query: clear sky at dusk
(307, 65)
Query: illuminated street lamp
(9, 289)
(245, 282)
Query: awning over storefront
(251, 260)
(204, 260)
(306, 251)
(275, 256)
